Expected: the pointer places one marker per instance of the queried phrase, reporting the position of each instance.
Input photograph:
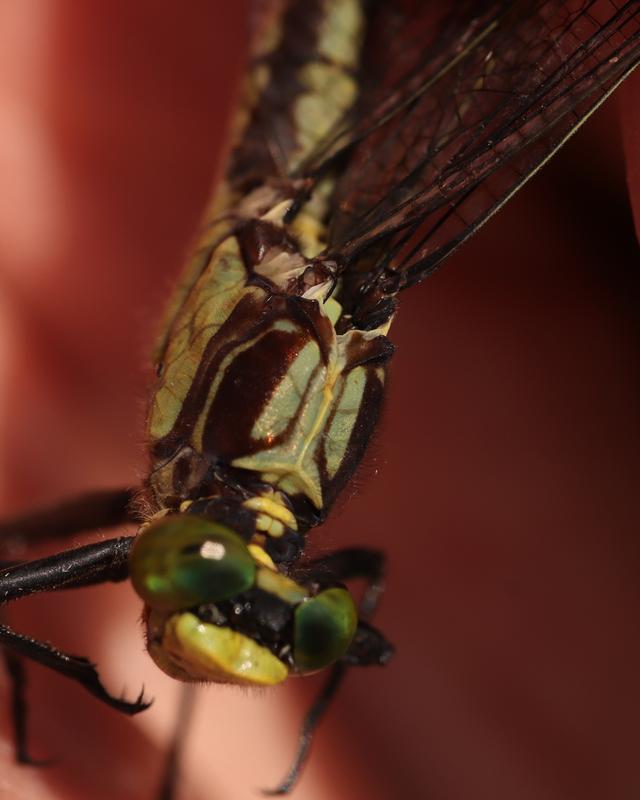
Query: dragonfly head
(217, 609)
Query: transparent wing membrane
(452, 131)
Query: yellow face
(191, 650)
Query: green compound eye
(183, 561)
(323, 629)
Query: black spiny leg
(309, 725)
(169, 783)
(368, 647)
(91, 564)
(96, 510)
(17, 675)
(103, 509)
(77, 668)
(82, 566)
(354, 562)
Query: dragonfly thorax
(256, 383)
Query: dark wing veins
(457, 112)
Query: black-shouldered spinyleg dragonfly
(352, 176)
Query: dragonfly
(340, 193)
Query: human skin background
(502, 483)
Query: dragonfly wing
(456, 129)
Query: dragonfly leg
(82, 566)
(308, 729)
(169, 784)
(350, 563)
(76, 668)
(103, 509)
(370, 645)
(14, 665)
(91, 564)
